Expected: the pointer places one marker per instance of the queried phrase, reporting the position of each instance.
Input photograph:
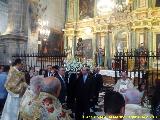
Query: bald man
(46, 106)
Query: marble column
(129, 40)
(133, 41)
(94, 46)
(72, 44)
(108, 45)
(150, 42)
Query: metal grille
(41, 59)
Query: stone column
(108, 45)
(129, 40)
(16, 16)
(94, 46)
(14, 38)
(133, 41)
(102, 40)
(71, 43)
(150, 40)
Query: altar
(109, 76)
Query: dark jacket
(63, 92)
(46, 74)
(84, 91)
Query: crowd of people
(55, 94)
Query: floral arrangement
(74, 64)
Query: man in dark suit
(61, 77)
(71, 90)
(98, 84)
(48, 72)
(84, 93)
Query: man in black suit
(48, 72)
(61, 77)
(98, 80)
(84, 93)
(71, 90)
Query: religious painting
(86, 9)
(54, 43)
(87, 48)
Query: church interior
(85, 37)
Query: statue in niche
(86, 9)
(100, 58)
(120, 47)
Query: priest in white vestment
(123, 84)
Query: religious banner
(86, 9)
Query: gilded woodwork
(144, 17)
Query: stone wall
(3, 16)
(55, 13)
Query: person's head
(55, 67)
(141, 87)
(6, 68)
(49, 68)
(96, 70)
(52, 86)
(1, 68)
(31, 69)
(18, 64)
(132, 96)
(123, 75)
(85, 70)
(61, 71)
(114, 104)
(36, 84)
